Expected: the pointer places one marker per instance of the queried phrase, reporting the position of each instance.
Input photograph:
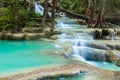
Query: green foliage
(24, 15)
(37, 15)
(73, 5)
(80, 10)
(30, 24)
(5, 20)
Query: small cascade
(118, 56)
(79, 42)
(67, 21)
(112, 35)
(39, 8)
(89, 53)
(105, 34)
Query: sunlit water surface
(19, 55)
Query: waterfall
(40, 9)
(112, 34)
(90, 53)
(79, 42)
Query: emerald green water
(18, 55)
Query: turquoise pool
(18, 55)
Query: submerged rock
(67, 47)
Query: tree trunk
(14, 15)
(84, 5)
(31, 5)
(53, 15)
(45, 13)
(1, 6)
(25, 4)
(90, 12)
(100, 19)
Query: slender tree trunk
(100, 19)
(45, 13)
(84, 5)
(1, 6)
(90, 12)
(53, 15)
(14, 15)
(25, 4)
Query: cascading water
(82, 50)
(39, 8)
(78, 42)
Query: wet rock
(32, 30)
(117, 62)
(67, 47)
(55, 32)
(117, 32)
(47, 33)
(97, 46)
(54, 37)
(40, 35)
(7, 36)
(30, 36)
(110, 56)
(116, 47)
(82, 22)
(97, 34)
(18, 36)
(104, 34)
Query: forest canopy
(17, 13)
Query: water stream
(81, 51)
(17, 55)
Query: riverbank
(28, 34)
(61, 71)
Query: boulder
(97, 34)
(110, 56)
(54, 37)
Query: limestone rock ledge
(28, 34)
(110, 56)
(67, 70)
